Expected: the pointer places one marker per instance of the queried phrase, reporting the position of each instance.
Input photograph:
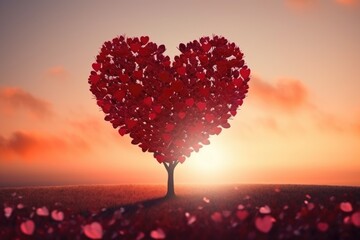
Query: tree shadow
(132, 207)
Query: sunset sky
(300, 122)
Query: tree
(169, 108)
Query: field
(198, 212)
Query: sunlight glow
(207, 166)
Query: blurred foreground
(199, 212)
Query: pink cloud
(79, 136)
(290, 95)
(286, 94)
(356, 128)
(301, 5)
(13, 99)
(347, 2)
(305, 5)
(29, 145)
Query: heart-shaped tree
(169, 108)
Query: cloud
(286, 94)
(356, 128)
(291, 96)
(301, 5)
(347, 2)
(305, 5)
(13, 99)
(76, 137)
(57, 72)
(29, 145)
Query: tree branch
(166, 166)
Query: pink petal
(205, 199)
(57, 215)
(242, 214)
(190, 218)
(93, 230)
(347, 220)
(8, 211)
(43, 211)
(265, 209)
(27, 227)
(322, 226)
(311, 206)
(140, 236)
(50, 230)
(158, 234)
(355, 219)
(20, 206)
(240, 207)
(216, 217)
(226, 213)
(264, 224)
(346, 207)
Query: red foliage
(169, 109)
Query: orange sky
(300, 122)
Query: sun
(207, 165)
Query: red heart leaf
(148, 101)
(181, 70)
(169, 127)
(135, 89)
(181, 115)
(209, 117)
(96, 66)
(124, 78)
(206, 47)
(94, 79)
(245, 73)
(189, 102)
(200, 75)
(144, 40)
(201, 106)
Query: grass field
(198, 212)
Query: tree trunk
(170, 183)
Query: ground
(198, 212)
